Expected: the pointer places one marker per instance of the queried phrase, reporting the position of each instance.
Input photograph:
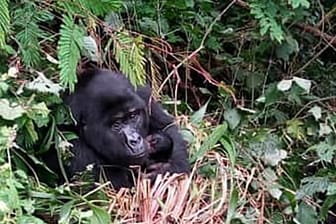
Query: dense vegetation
(252, 84)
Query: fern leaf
(265, 13)
(96, 7)
(4, 21)
(69, 47)
(129, 53)
(26, 22)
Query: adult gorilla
(118, 126)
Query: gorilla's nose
(134, 140)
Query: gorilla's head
(111, 118)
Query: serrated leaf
(7, 137)
(274, 156)
(198, 116)
(312, 185)
(232, 117)
(303, 83)
(316, 111)
(213, 138)
(39, 113)
(10, 112)
(324, 129)
(285, 85)
(4, 22)
(44, 85)
(69, 47)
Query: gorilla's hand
(156, 169)
(159, 143)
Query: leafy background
(253, 81)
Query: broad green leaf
(198, 116)
(298, 3)
(213, 138)
(285, 85)
(287, 48)
(327, 204)
(274, 156)
(232, 117)
(324, 129)
(303, 83)
(306, 214)
(65, 212)
(100, 216)
(316, 111)
(10, 112)
(271, 184)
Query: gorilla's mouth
(137, 153)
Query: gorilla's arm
(160, 121)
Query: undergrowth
(250, 82)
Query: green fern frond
(26, 23)
(69, 47)
(266, 13)
(96, 7)
(4, 21)
(129, 53)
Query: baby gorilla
(118, 126)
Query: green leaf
(316, 111)
(7, 137)
(287, 48)
(230, 149)
(90, 48)
(10, 111)
(65, 212)
(312, 185)
(213, 138)
(234, 197)
(24, 219)
(39, 113)
(232, 117)
(129, 53)
(100, 216)
(198, 116)
(303, 83)
(325, 151)
(306, 214)
(298, 3)
(285, 85)
(4, 22)
(69, 47)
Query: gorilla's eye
(133, 114)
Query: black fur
(101, 105)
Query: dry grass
(188, 199)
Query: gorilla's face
(112, 119)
